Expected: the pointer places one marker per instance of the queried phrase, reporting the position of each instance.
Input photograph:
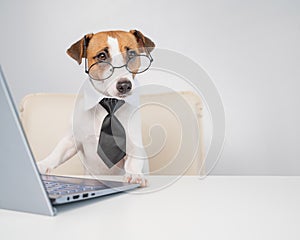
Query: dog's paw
(136, 178)
(43, 167)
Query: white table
(213, 208)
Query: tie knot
(111, 105)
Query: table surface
(217, 207)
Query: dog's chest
(86, 128)
(87, 124)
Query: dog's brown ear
(142, 40)
(77, 50)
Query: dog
(107, 55)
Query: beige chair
(171, 128)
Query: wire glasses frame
(111, 68)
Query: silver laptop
(22, 188)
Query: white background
(249, 48)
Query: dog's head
(108, 53)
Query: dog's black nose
(124, 86)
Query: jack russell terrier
(106, 126)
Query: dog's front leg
(134, 170)
(64, 150)
(136, 160)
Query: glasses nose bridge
(119, 69)
(124, 65)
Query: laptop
(22, 187)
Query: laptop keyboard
(60, 188)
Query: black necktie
(112, 140)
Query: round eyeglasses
(103, 70)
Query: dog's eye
(131, 53)
(101, 56)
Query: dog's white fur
(67, 146)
